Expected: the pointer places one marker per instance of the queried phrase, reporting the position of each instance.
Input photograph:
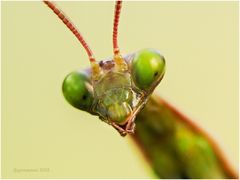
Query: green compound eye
(148, 68)
(77, 90)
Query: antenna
(120, 63)
(72, 28)
(118, 7)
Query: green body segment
(148, 67)
(173, 147)
(77, 90)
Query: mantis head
(116, 89)
(119, 91)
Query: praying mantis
(119, 91)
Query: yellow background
(40, 130)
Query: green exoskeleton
(118, 93)
(117, 89)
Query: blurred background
(42, 132)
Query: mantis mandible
(119, 90)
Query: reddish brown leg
(119, 129)
(130, 127)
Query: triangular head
(117, 94)
(114, 89)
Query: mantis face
(117, 94)
(116, 89)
